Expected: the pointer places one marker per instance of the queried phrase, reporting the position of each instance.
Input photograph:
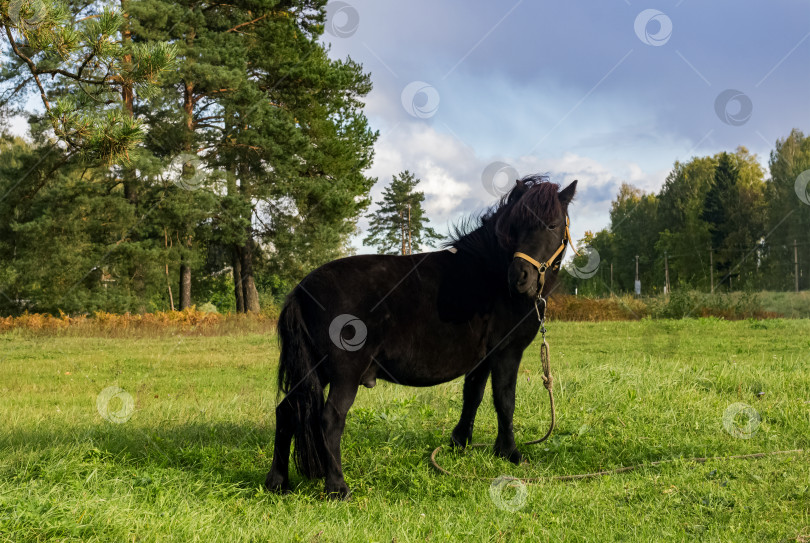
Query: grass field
(187, 459)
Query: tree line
(185, 152)
(718, 223)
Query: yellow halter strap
(543, 266)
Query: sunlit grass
(190, 461)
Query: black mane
(532, 202)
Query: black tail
(298, 379)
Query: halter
(541, 267)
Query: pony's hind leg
(474, 384)
(340, 399)
(278, 478)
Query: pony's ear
(518, 190)
(567, 194)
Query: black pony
(417, 320)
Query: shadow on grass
(240, 454)
(232, 453)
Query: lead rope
(548, 382)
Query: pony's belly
(422, 367)
(414, 380)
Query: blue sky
(605, 92)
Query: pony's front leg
(340, 399)
(504, 381)
(474, 384)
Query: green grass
(788, 304)
(190, 462)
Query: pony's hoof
(276, 483)
(338, 492)
(514, 456)
(458, 443)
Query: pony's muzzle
(522, 278)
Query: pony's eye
(553, 226)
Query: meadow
(179, 448)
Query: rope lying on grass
(577, 476)
(548, 383)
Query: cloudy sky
(606, 91)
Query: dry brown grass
(561, 307)
(189, 320)
(580, 308)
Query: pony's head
(531, 226)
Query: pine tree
(716, 208)
(76, 58)
(82, 70)
(279, 123)
(274, 126)
(399, 226)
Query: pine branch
(257, 19)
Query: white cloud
(443, 193)
(451, 176)
(445, 166)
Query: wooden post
(711, 267)
(666, 273)
(796, 264)
(611, 277)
